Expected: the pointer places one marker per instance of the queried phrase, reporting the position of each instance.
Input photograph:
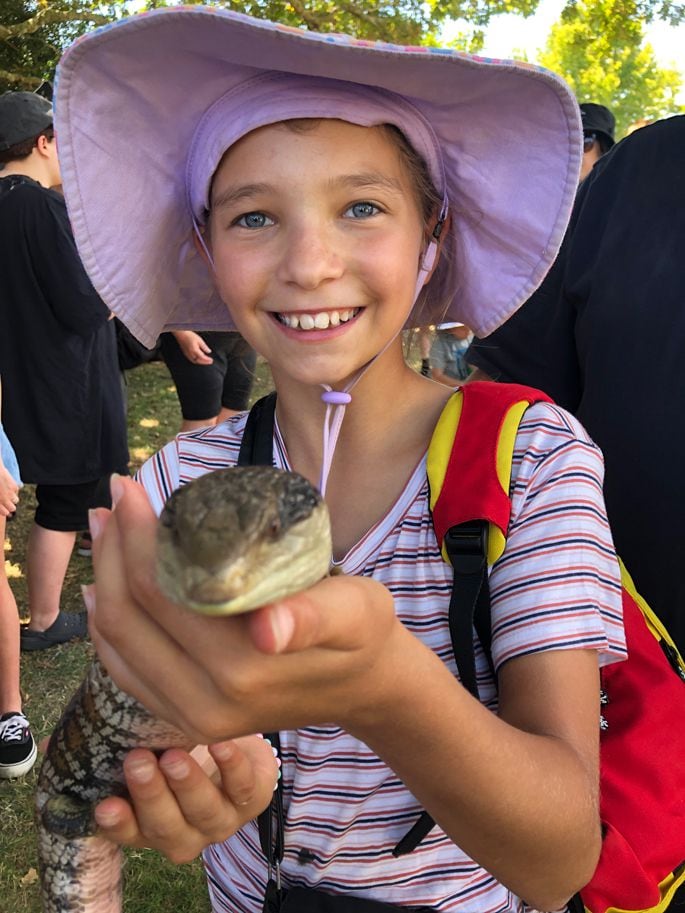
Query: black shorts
(65, 507)
(204, 389)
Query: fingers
(249, 771)
(9, 495)
(337, 613)
(175, 808)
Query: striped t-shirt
(555, 587)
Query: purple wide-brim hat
(132, 96)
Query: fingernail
(105, 818)
(142, 771)
(116, 488)
(222, 751)
(94, 524)
(177, 770)
(88, 597)
(282, 626)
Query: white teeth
(319, 321)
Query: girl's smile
(316, 235)
(314, 323)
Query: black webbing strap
(272, 843)
(575, 905)
(467, 549)
(256, 449)
(257, 445)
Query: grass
(152, 885)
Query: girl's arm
(518, 793)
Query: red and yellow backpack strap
(470, 456)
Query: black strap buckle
(467, 547)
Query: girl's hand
(193, 347)
(329, 654)
(176, 807)
(9, 493)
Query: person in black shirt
(63, 407)
(605, 336)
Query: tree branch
(49, 17)
(18, 79)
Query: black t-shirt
(605, 336)
(63, 407)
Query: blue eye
(253, 220)
(362, 210)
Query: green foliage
(598, 46)
(33, 34)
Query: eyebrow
(360, 180)
(357, 181)
(235, 194)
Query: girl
(318, 194)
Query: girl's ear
(438, 231)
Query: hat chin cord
(338, 400)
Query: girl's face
(316, 238)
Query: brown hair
(24, 149)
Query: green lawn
(152, 885)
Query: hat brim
(130, 95)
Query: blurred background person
(213, 373)
(599, 125)
(63, 406)
(604, 335)
(448, 353)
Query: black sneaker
(18, 751)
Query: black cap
(23, 115)
(598, 119)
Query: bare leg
(10, 694)
(47, 558)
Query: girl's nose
(310, 258)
